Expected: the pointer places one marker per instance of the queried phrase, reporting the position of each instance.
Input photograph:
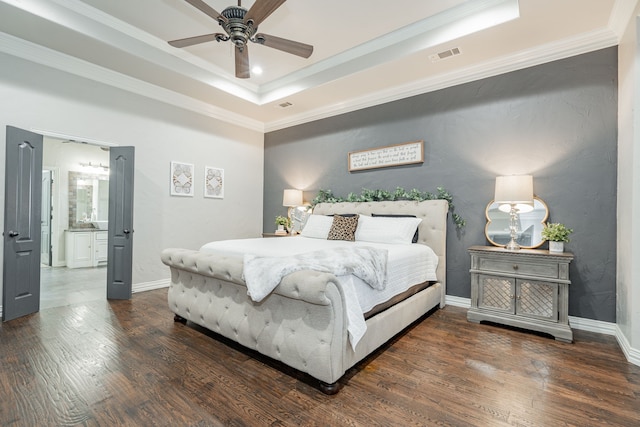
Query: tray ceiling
(365, 52)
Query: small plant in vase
(283, 223)
(557, 235)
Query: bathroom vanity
(86, 247)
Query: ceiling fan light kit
(240, 26)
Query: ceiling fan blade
(242, 63)
(285, 45)
(206, 9)
(261, 9)
(190, 41)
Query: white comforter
(407, 265)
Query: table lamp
(514, 194)
(291, 198)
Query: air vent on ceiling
(445, 54)
(285, 104)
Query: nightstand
(275, 235)
(527, 289)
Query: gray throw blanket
(263, 274)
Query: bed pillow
(415, 235)
(317, 227)
(343, 228)
(387, 229)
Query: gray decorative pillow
(343, 228)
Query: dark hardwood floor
(118, 363)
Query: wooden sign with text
(392, 155)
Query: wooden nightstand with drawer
(527, 289)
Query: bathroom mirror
(88, 199)
(529, 226)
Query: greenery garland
(326, 196)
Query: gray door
(45, 221)
(23, 188)
(119, 268)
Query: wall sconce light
(514, 194)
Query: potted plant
(557, 234)
(282, 222)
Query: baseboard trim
(150, 286)
(631, 354)
(457, 301)
(591, 325)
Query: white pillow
(317, 227)
(382, 229)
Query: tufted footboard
(302, 324)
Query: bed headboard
(432, 231)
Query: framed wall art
(213, 182)
(392, 155)
(181, 179)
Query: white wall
(628, 262)
(37, 97)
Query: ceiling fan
(240, 26)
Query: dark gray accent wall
(556, 121)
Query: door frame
(56, 136)
(50, 216)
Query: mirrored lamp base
(512, 245)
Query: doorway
(77, 176)
(22, 233)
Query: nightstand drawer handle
(515, 266)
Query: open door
(119, 267)
(22, 207)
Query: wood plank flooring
(126, 363)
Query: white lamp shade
(292, 197)
(514, 189)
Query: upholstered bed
(303, 321)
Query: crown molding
(80, 17)
(550, 52)
(41, 55)
(556, 50)
(443, 27)
(456, 22)
(622, 11)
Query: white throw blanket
(263, 274)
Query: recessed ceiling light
(257, 70)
